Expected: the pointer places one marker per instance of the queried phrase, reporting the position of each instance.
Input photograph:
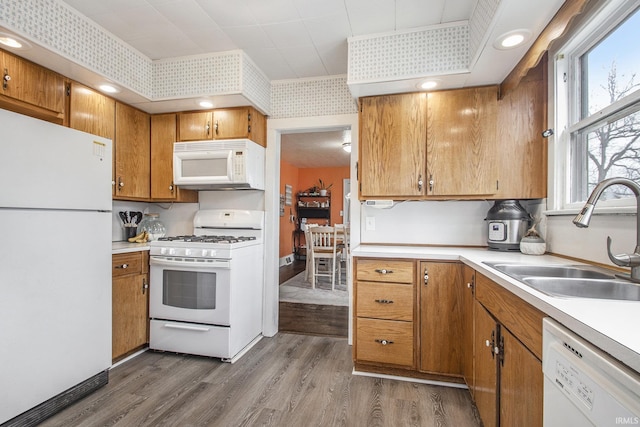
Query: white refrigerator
(55, 262)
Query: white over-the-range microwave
(219, 165)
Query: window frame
(565, 110)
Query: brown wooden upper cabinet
(30, 89)
(163, 135)
(240, 122)
(91, 112)
(226, 123)
(132, 153)
(454, 144)
(461, 142)
(195, 126)
(393, 138)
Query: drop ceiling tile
(169, 46)
(252, 36)
(334, 57)
(308, 9)
(211, 39)
(419, 13)
(129, 26)
(228, 13)
(271, 62)
(328, 29)
(288, 34)
(273, 11)
(458, 10)
(371, 16)
(304, 62)
(185, 14)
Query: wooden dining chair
(323, 253)
(307, 246)
(342, 250)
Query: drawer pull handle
(384, 342)
(122, 266)
(187, 328)
(384, 301)
(383, 271)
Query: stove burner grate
(207, 239)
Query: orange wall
(302, 179)
(288, 175)
(309, 177)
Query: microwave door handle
(230, 166)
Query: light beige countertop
(124, 247)
(610, 325)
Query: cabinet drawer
(129, 263)
(385, 270)
(390, 301)
(370, 335)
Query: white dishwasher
(583, 386)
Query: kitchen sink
(571, 281)
(585, 288)
(570, 271)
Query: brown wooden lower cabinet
(508, 379)
(451, 324)
(441, 328)
(485, 376)
(130, 303)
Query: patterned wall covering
(311, 97)
(479, 24)
(59, 28)
(438, 50)
(255, 85)
(197, 75)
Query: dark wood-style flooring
(288, 380)
(314, 319)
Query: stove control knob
(163, 251)
(187, 252)
(172, 251)
(205, 253)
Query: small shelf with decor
(312, 208)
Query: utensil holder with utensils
(130, 221)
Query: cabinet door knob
(420, 182)
(383, 271)
(384, 342)
(120, 183)
(426, 276)
(145, 286)
(215, 127)
(5, 79)
(487, 343)
(123, 266)
(384, 301)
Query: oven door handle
(186, 327)
(186, 264)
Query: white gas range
(206, 288)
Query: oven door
(194, 291)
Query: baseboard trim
(286, 260)
(38, 414)
(409, 379)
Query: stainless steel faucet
(583, 218)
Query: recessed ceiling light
(108, 88)
(512, 39)
(13, 42)
(206, 104)
(427, 84)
